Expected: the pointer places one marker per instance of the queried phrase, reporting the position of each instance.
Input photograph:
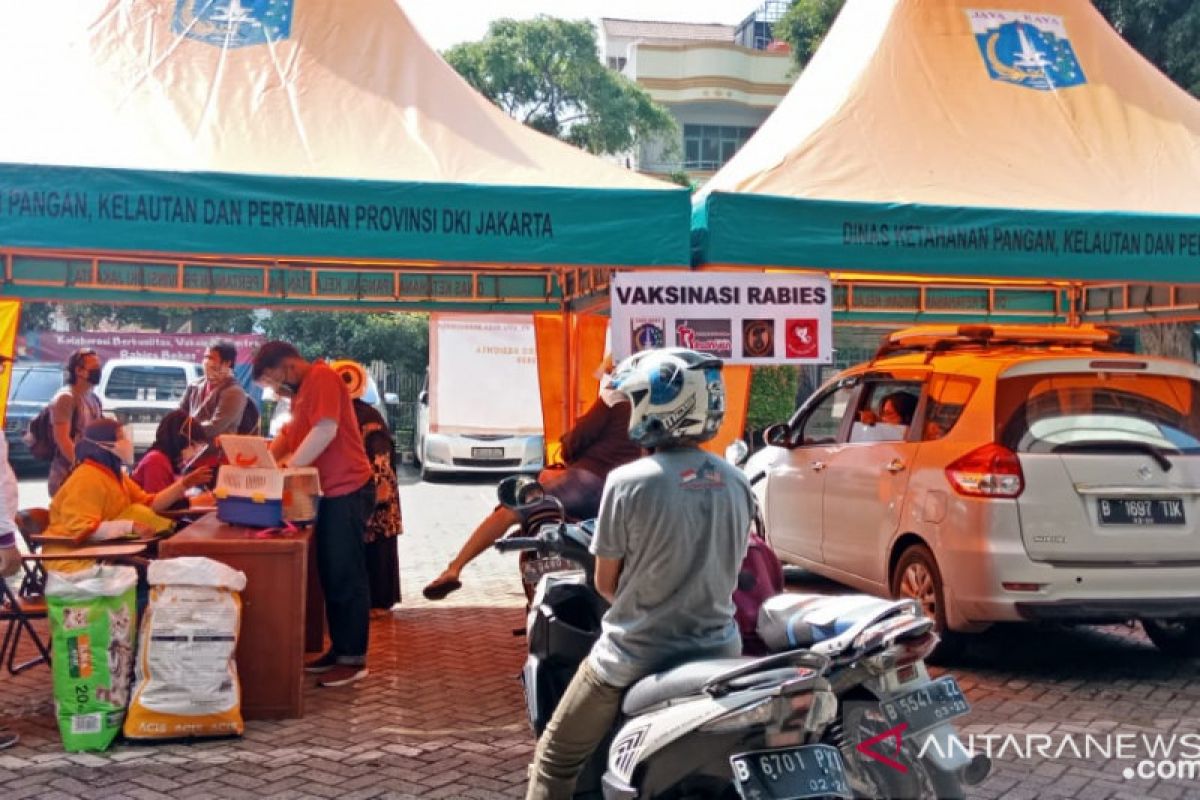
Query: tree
(1166, 32)
(804, 26)
(398, 339)
(772, 396)
(547, 73)
(160, 319)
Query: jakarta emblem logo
(1030, 50)
(233, 23)
(647, 334)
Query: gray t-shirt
(680, 520)
(63, 408)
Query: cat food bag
(93, 613)
(187, 682)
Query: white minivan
(141, 391)
(1000, 473)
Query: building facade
(720, 82)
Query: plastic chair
(31, 523)
(21, 607)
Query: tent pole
(1074, 304)
(568, 394)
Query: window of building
(616, 63)
(709, 147)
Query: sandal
(439, 588)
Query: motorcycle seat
(682, 681)
(802, 620)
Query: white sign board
(483, 375)
(742, 318)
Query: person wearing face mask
(72, 409)
(98, 500)
(597, 444)
(176, 441)
(217, 402)
(324, 433)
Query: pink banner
(56, 347)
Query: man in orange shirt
(324, 433)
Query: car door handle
(817, 466)
(895, 466)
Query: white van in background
(480, 409)
(139, 392)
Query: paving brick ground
(441, 715)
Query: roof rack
(934, 339)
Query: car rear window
(35, 385)
(161, 384)
(1038, 413)
(948, 396)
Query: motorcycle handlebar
(513, 544)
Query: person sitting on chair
(99, 498)
(176, 441)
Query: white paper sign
(483, 375)
(755, 319)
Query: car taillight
(988, 471)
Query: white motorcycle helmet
(676, 396)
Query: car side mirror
(423, 398)
(519, 491)
(778, 435)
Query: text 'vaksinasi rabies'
(721, 295)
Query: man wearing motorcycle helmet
(669, 540)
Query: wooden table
(270, 651)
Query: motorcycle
(895, 726)
(764, 727)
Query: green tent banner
(905, 239)
(54, 207)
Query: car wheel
(1175, 637)
(917, 577)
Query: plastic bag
(187, 682)
(92, 617)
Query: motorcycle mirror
(519, 491)
(737, 452)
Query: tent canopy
(943, 137)
(291, 130)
